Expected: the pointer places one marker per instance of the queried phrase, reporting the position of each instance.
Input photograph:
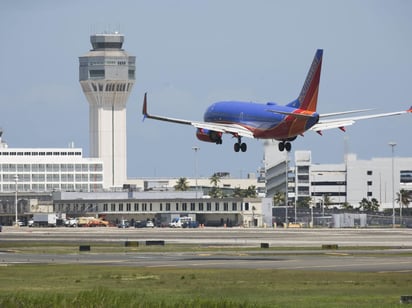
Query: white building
(107, 76)
(48, 169)
(347, 182)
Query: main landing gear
(285, 145)
(239, 145)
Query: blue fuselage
(262, 119)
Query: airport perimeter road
(219, 236)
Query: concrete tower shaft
(107, 76)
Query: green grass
(102, 247)
(118, 286)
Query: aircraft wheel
(243, 147)
(236, 147)
(281, 146)
(288, 146)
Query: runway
(357, 251)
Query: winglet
(409, 110)
(144, 109)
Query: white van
(178, 222)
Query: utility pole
(393, 144)
(16, 179)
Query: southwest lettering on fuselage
(270, 120)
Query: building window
(247, 206)
(406, 176)
(177, 206)
(208, 206)
(192, 206)
(128, 207)
(113, 207)
(234, 206)
(96, 74)
(105, 207)
(369, 183)
(167, 206)
(184, 206)
(216, 206)
(200, 206)
(369, 194)
(225, 206)
(136, 207)
(369, 172)
(161, 207)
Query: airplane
(270, 120)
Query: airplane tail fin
(308, 97)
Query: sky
(190, 54)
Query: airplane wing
(342, 122)
(233, 129)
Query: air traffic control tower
(107, 76)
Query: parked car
(191, 224)
(144, 224)
(140, 224)
(123, 224)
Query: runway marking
(161, 265)
(349, 265)
(400, 271)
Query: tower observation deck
(107, 76)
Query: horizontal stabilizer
(296, 115)
(326, 115)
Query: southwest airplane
(270, 120)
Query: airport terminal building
(162, 206)
(348, 182)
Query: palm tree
(347, 206)
(279, 198)
(181, 184)
(215, 191)
(250, 192)
(214, 180)
(403, 197)
(304, 202)
(237, 192)
(327, 201)
(369, 206)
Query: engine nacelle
(209, 135)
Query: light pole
(196, 149)
(323, 205)
(393, 144)
(16, 179)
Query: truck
(91, 222)
(43, 220)
(180, 222)
(71, 222)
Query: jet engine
(209, 135)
